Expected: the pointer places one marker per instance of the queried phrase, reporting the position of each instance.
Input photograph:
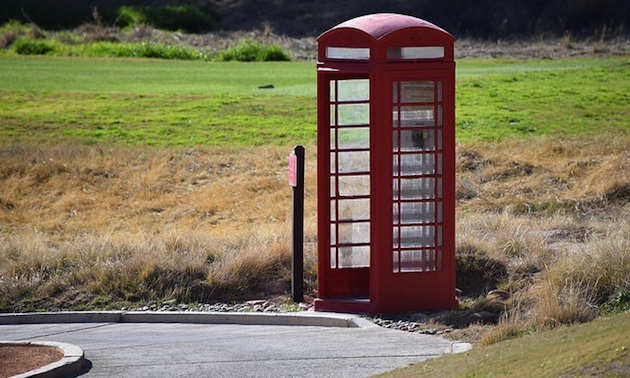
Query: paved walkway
(180, 345)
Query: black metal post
(297, 260)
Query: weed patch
(23, 46)
(96, 40)
(186, 18)
(249, 51)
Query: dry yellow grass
(72, 190)
(94, 227)
(545, 174)
(554, 213)
(137, 224)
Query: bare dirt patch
(20, 358)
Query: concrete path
(321, 345)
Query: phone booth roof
(383, 30)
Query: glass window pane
(333, 234)
(355, 137)
(333, 90)
(419, 52)
(353, 114)
(417, 91)
(416, 188)
(414, 212)
(418, 260)
(395, 93)
(352, 209)
(333, 210)
(414, 164)
(415, 236)
(333, 257)
(354, 233)
(354, 161)
(354, 257)
(333, 115)
(415, 116)
(353, 53)
(354, 185)
(419, 139)
(354, 90)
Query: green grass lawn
(565, 97)
(600, 348)
(155, 102)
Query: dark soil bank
(486, 19)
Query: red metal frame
(410, 72)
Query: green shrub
(25, 46)
(249, 50)
(7, 38)
(129, 16)
(187, 18)
(137, 50)
(14, 26)
(618, 304)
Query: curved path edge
(71, 364)
(306, 318)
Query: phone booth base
(386, 166)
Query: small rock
(482, 317)
(500, 295)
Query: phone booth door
(348, 175)
(422, 177)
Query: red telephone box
(386, 166)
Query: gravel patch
(410, 322)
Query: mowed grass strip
(154, 76)
(540, 98)
(162, 120)
(168, 103)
